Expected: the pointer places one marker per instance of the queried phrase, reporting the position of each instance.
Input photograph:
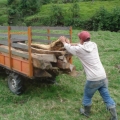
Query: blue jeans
(102, 86)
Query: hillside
(62, 101)
(86, 10)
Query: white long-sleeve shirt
(88, 55)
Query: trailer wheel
(51, 80)
(15, 83)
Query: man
(87, 52)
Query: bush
(3, 19)
(73, 19)
(29, 7)
(18, 9)
(104, 20)
(64, 1)
(115, 20)
(45, 1)
(75, 15)
(56, 16)
(101, 19)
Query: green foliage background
(62, 101)
(81, 14)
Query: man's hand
(63, 39)
(67, 40)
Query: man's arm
(74, 44)
(68, 46)
(66, 40)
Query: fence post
(29, 52)
(70, 32)
(48, 32)
(9, 46)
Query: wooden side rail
(48, 34)
(10, 58)
(11, 35)
(29, 52)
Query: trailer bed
(27, 63)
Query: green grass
(3, 2)
(87, 9)
(62, 101)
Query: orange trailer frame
(16, 64)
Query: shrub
(101, 19)
(75, 15)
(29, 7)
(104, 20)
(18, 9)
(64, 1)
(45, 1)
(115, 20)
(56, 16)
(3, 19)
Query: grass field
(62, 101)
(86, 8)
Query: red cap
(84, 35)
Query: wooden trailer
(25, 63)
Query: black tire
(2, 70)
(15, 84)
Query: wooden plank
(20, 28)
(51, 28)
(50, 35)
(41, 46)
(3, 35)
(24, 55)
(18, 40)
(64, 65)
(41, 64)
(63, 58)
(41, 51)
(4, 42)
(38, 27)
(41, 57)
(45, 57)
(21, 46)
(59, 28)
(14, 51)
(19, 37)
(3, 27)
(54, 46)
(3, 50)
(43, 41)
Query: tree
(18, 9)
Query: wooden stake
(29, 52)
(9, 46)
(70, 41)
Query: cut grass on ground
(62, 101)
